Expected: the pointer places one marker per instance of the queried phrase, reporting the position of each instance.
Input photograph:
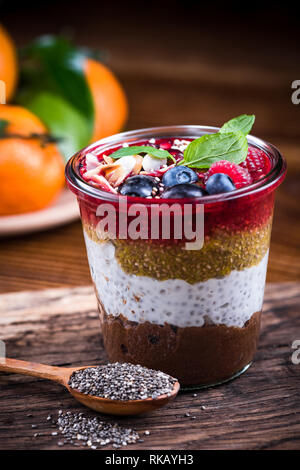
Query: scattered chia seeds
(79, 429)
(122, 381)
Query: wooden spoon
(102, 405)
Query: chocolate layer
(195, 355)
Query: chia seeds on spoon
(122, 381)
(79, 429)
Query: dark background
(180, 62)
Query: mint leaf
(64, 122)
(208, 149)
(3, 125)
(137, 149)
(241, 123)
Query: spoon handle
(58, 374)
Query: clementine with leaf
(31, 167)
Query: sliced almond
(108, 159)
(138, 166)
(119, 171)
(103, 183)
(113, 173)
(95, 171)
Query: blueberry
(139, 186)
(219, 183)
(183, 190)
(179, 175)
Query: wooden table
(175, 69)
(259, 410)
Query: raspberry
(257, 163)
(240, 176)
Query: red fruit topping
(165, 144)
(240, 176)
(176, 154)
(257, 163)
(100, 182)
(202, 175)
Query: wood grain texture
(175, 70)
(259, 410)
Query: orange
(8, 63)
(110, 103)
(31, 172)
(21, 121)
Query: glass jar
(192, 313)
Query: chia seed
(79, 429)
(122, 381)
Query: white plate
(64, 210)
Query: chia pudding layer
(193, 314)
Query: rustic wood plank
(259, 410)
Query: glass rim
(78, 184)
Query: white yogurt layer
(230, 300)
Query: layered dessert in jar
(193, 313)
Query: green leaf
(52, 65)
(3, 125)
(137, 149)
(63, 120)
(208, 149)
(241, 123)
